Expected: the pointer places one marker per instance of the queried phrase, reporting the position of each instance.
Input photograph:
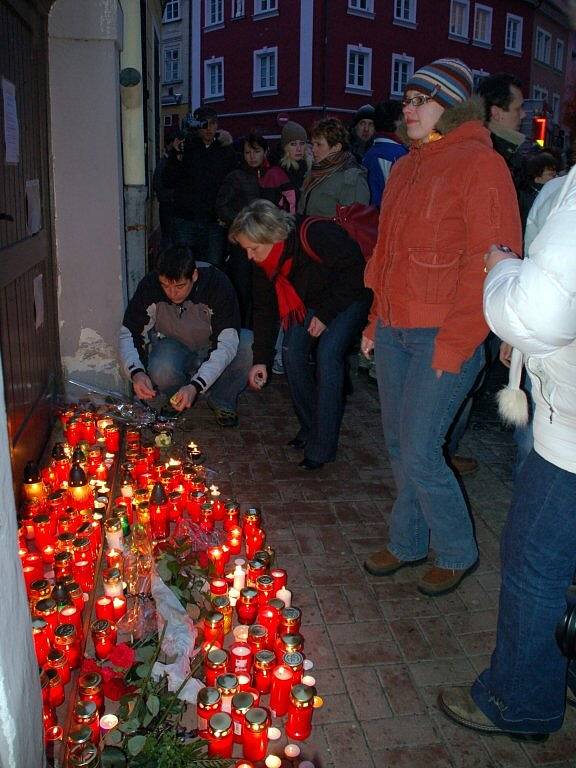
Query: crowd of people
(249, 283)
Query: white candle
(107, 722)
(272, 761)
(239, 578)
(240, 633)
(291, 750)
(274, 733)
(115, 539)
(285, 595)
(308, 664)
(308, 680)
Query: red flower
(115, 687)
(122, 656)
(107, 673)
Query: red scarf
(290, 306)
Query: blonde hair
(262, 222)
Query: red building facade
(302, 59)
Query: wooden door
(28, 324)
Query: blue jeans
(417, 411)
(524, 688)
(171, 364)
(205, 239)
(524, 436)
(318, 395)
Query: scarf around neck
(328, 166)
(291, 308)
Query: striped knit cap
(449, 81)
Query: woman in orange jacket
(445, 203)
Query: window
(478, 75)
(265, 6)
(359, 69)
(214, 12)
(171, 63)
(361, 6)
(405, 11)
(543, 45)
(265, 70)
(214, 78)
(541, 94)
(556, 107)
(514, 24)
(459, 17)
(238, 9)
(172, 11)
(559, 55)
(482, 24)
(402, 71)
(167, 121)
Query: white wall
(21, 735)
(84, 47)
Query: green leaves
(143, 670)
(153, 705)
(136, 744)
(130, 726)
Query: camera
(566, 627)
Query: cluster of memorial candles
(254, 663)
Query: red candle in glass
(214, 628)
(48, 556)
(90, 689)
(159, 524)
(254, 541)
(265, 587)
(66, 640)
(255, 734)
(195, 501)
(88, 430)
(217, 560)
(105, 609)
(119, 605)
(269, 617)
(282, 681)
(41, 636)
(57, 660)
(217, 504)
(231, 515)
(175, 505)
(234, 544)
(30, 575)
(112, 438)
(300, 711)
(34, 560)
(220, 735)
(240, 658)
(280, 578)
(56, 687)
(83, 572)
(264, 663)
(72, 432)
(114, 558)
(241, 703)
(257, 638)
(44, 531)
(218, 586)
(103, 638)
(206, 519)
(215, 663)
(251, 520)
(247, 606)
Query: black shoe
(297, 443)
(311, 465)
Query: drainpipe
(133, 148)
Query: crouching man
(180, 337)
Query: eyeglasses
(420, 99)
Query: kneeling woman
(320, 301)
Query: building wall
(550, 78)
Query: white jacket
(531, 304)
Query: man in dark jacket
(195, 170)
(180, 337)
(503, 101)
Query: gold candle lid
(214, 618)
(90, 682)
(256, 719)
(220, 724)
(227, 684)
(265, 659)
(83, 756)
(112, 576)
(242, 701)
(81, 734)
(46, 605)
(38, 625)
(221, 603)
(65, 632)
(85, 710)
(208, 696)
(217, 656)
(294, 659)
(113, 524)
(302, 695)
(265, 581)
(248, 593)
(100, 627)
(291, 615)
(257, 631)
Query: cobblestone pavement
(381, 649)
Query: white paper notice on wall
(39, 300)
(11, 127)
(33, 207)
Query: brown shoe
(384, 563)
(439, 581)
(457, 704)
(464, 465)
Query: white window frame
(208, 65)
(359, 50)
(361, 7)
(559, 49)
(403, 18)
(539, 93)
(177, 60)
(512, 18)
(478, 75)
(479, 7)
(167, 121)
(171, 6)
(238, 9)
(213, 13)
(465, 32)
(544, 37)
(256, 81)
(556, 100)
(400, 58)
(265, 7)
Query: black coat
(328, 287)
(197, 177)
